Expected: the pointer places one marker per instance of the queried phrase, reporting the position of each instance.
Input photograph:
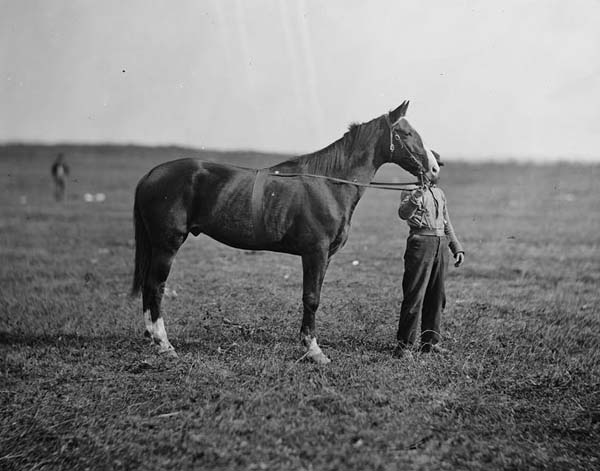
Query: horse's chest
(341, 237)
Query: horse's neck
(363, 164)
(366, 168)
(351, 164)
(345, 159)
(361, 156)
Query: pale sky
(486, 79)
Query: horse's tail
(143, 250)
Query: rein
(376, 185)
(259, 183)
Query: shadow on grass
(67, 340)
(204, 342)
(359, 344)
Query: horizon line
(466, 158)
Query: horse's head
(406, 146)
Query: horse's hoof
(169, 353)
(315, 353)
(319, 358)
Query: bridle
(395, 135)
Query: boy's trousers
(425, 266)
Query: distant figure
(60, 170)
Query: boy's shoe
(402, 351)
(434, 348)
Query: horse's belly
(231, 233)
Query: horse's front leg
(314, 266)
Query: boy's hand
(416, 195)
(459, 259)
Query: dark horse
(262, 210)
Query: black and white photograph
(299, 235)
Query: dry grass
(81, 389)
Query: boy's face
(434, 178)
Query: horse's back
(175, 175)
(176, 170)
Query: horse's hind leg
(152, 294)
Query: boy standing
(425, 266)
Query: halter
(395, 135)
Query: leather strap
(258, 189)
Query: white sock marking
(148, 322)
(314, 348)
(158, 332)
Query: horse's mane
(340, 156)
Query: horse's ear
(399, 112)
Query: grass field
(80, 388)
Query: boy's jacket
(428, 215)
